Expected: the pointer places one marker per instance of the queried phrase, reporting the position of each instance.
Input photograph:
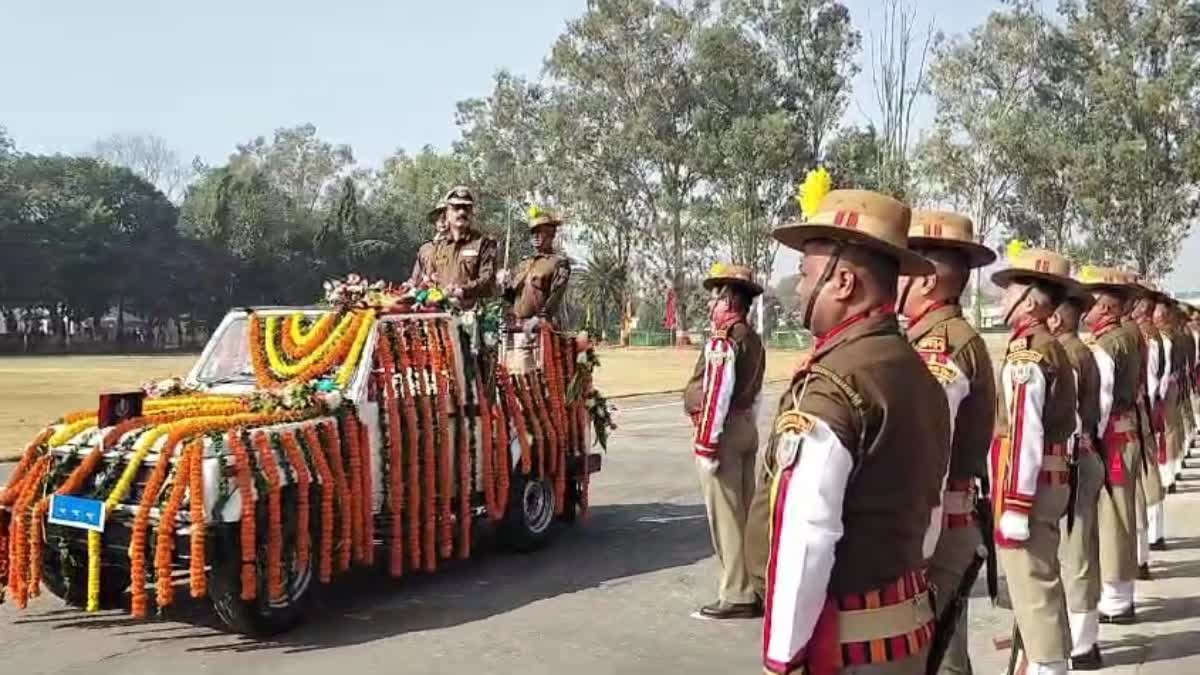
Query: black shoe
(1123, 619)
(1172, 490)
(1088, 661)
(729, 610)
(1160, 545)
(1144, 573)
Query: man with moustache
(957, 356)
(856, 456)
(464, 263)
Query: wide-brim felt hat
(862, 218)
(951, 231)
(725, 274)
(1037, 265)
(1092, 278)
(541, 218)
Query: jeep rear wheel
(68, 580)
(528, 525)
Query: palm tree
(600, 285)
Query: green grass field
(36, 390)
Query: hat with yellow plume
(728, 274)
(539, 216)
(1034, 264)
(858, 217)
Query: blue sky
(378, 75)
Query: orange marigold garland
(534, 418)
(197, 580)
(270, 473)
(391, 406)
(164, 549)
(508, 390)
(287, 339)
(316, 334)
(503, 456)
(32, 453)
(295, 457)
(408, 398)
(350, 426)
(249, 543)
(333, 448)
(263, 376)
(141, 522)
(466, 487)
(446, 447)
(486, 449)
(18, 561)
(424, 379)
(325, 563)
(37, 534)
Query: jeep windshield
(227, 357)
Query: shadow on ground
(613, 543)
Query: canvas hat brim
(1003, 278)
(435, 212)
(749, 286)
(551, 221)
(795, 236)
(1117, 289)
(977, 255)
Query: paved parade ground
(612, 595)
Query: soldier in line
(1121, 360)
(1034, 420)
(1150, 490)
(721, 398)
(464, 263)
(537, 287)
(856, 457)
(1169, 396)
(1079, 551)
(957, 356)
(423, 267)
(1184, 380)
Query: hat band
(857, 221)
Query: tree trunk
(121, 321)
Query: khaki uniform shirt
(538, 286)
(468, 262)
(1087, 382)
(958, 357)
(424, 264)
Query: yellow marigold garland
(350, 363)
(317, 333)
(335, 344)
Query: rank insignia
(944, 374)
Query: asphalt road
(613, 594)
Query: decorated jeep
(378, 431)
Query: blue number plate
(85, 514)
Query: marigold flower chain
(465, 484)
(325, 562)
(195, 474)
(410, 393)
(164, 548)
(446, 447)
(249, 547)
(395, 491)
(270, 473)
(333, 448)
(295, 457)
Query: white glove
(706, 464)
(1014, 526)
(502, 276)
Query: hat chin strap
(826, 275)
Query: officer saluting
(722, 399)
(958, 358)
(857, 455)
(1079, 551)
(1035, 418)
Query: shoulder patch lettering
(1024, 356)
(790, 428)
(932, 343)
(1019, 344)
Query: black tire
(260, 617)
(70, 585)
(529, 523)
